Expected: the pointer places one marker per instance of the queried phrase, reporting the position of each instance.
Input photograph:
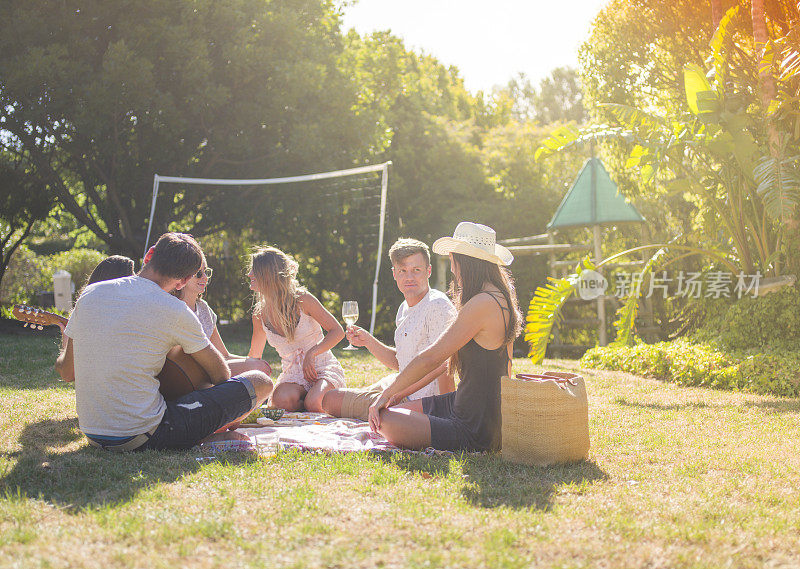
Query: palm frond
(778, 185)
(625, 324)
(633, 118)
(559, 139)
(566, 137)
(544, 311)
(790, 63)
(767, 60)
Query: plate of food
(271, 413)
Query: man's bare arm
(65, 362)
(212, 361)
(383, 353)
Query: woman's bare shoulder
(307, 301)
(488, 296)
(480, 303)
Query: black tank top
(477, 399)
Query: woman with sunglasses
(191, 294)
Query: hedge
(774, 371)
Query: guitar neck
(37, 316)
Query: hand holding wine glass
(350, 316)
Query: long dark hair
(473, 274)
(112, 267)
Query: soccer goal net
(335, 219)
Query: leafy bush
(28, 273)
(228, 290)
(78, 262)
(21, 277)
(770, 321)
(770, 371)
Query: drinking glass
(350, 315)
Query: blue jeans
(193, 417)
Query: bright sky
(489, 41)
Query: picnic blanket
(305, 431)
(315, 432)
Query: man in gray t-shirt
(116, 343)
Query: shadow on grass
(771, 407)
(26, 362)
(775, 407)
(489, 481)
(87, 477)
(664, 407)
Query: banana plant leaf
(699, 95)
(778, 185)
(544, 311)
(625, 325)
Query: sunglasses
(207, 272)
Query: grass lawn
(677, 477)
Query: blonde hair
(277, 298)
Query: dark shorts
(193, 417)
(447, 432)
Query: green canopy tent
(593, 201)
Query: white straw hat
(474, 240)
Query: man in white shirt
(116, 343)
(422, 317)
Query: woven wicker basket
(545, 418)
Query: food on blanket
(302, 416)
(271, 413)
(264, 421)
(252, 417)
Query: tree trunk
(716, 13)
(766, 83)
(5, 258)
(765, 79)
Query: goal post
(382, 168)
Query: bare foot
(229, 427)
(225, 436)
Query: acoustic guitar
(180, 375)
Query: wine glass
(350, 315)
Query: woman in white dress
(292, 320)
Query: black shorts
(193, 417)
(447, 432)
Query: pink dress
(292, 352)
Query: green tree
(102, 95)
(636, 48)
(557, 99)
(23, 202)
(722, 155)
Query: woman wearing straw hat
(478, 345)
